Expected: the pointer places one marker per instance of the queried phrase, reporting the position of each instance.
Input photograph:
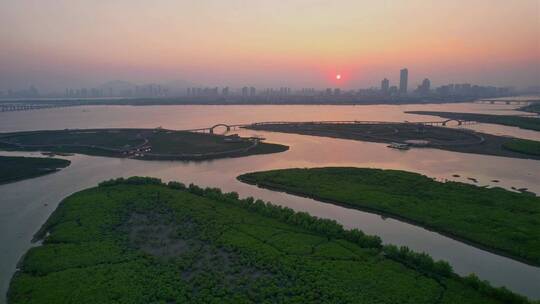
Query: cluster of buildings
(403, 88)
(243, 92)
(466, 89)
(150, 90)
(386, 89)
(424, 89)
(31, 92)
(399, 91)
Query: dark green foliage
(525, 146)
(502, 293)
(137, 240)
(505, 221)
(14, 168)
(176, 185)
(134, 180)
(419, 261)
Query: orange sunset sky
(297, 43)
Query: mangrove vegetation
(502, 221)
(15, 168)
(138, 240)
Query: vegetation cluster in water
(138, 240)
(14, 168)
(501, 220)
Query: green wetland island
(138, 240)
(499, 220)
(532, 108)
(149, 144)
(14, 168)
(415, 135)
(523, 122)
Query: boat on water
(399, 146)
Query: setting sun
(338, 76)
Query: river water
(25, 205)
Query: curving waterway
(25, 205)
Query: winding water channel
(25, 205)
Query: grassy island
(532, 108)
(14, 168)
(152, 144)
(496, 219)
(141, 241)
(414, 135)
(530, 123)
(525, 146)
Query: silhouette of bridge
(508, 102)
(6, 107)
(442, 123)
(212, 129)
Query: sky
(54, 44)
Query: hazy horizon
(300, 43)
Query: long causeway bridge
(13, 107)
(508, 101)
(227, 127)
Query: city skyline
(267, 44)
(119, 88)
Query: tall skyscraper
(426, 85)
(403, 81)
(385, 84)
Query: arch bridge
(227, 127)
(211, 129)
(444, 123)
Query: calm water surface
(25, 205)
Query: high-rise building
(225, 91)
(403, 81)
(252, 91)
(424, 87)
(385, 85)
(426, 84)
